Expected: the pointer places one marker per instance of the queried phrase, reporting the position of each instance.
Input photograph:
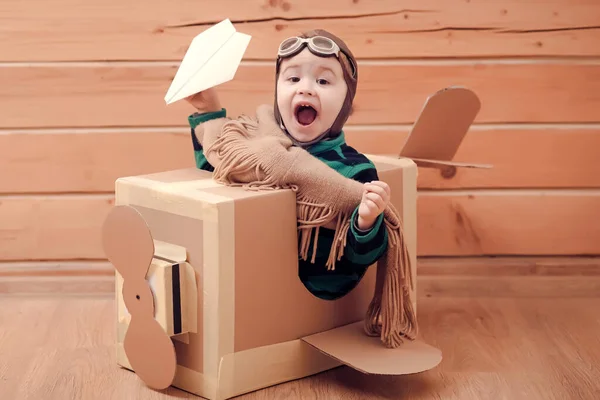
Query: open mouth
(305, 114)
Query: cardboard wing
(441, 127)
(349, 345)
(212, 59)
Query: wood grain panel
(162, 29)
(64, 278)
(507, 266)
(450, 267)
(535, 349)
(64, 285)
(477, 223)
(556, 277)
(87, 160)
(56, 269)
(510, 287)
(509, 222)
(89, 95)
(438, 277)
(53, 227)
(91, 160)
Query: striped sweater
(362, 248)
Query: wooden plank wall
(81, 94)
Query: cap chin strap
(304, 144)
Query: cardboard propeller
(441, 127)
(212, 59)
(129, 246)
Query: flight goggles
(320, 45)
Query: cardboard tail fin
(441, 127)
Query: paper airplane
(212, 59)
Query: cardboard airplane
(199, 307)
(210, 301)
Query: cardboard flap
(175, 295)
(444, 164)
(442, 124)
(349, 345)
(169, 252)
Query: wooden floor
(62, 348)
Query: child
(316, 77)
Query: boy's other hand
(205, 101)
(376, 198)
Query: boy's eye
(294, 79)
(322, 81)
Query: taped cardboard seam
(261, 367)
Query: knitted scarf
(256, 154)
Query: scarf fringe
(310, 219)
(390, 314)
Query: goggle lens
(323, 44)
(289, 44)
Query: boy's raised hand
(205, 101)
(376, 198)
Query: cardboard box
(208, 294)
(256, 324)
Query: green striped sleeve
(197, 118)
(365, 248)
(194, 120)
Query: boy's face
(310, 94)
